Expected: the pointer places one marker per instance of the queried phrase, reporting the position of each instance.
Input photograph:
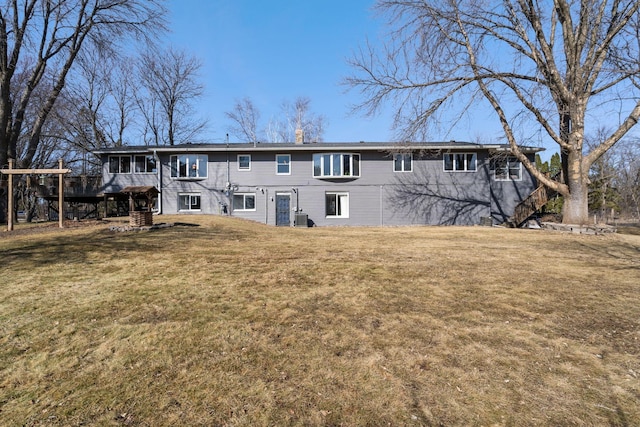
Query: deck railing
(74, 186)
(534, 202)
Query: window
(244, 162)
(402, 162)
(337, 205)
(144, 164)
(507, 169)
(283, 164)
(336, 165)
(244, 202)
(460, 162)
(189, 166)
(189, 202)
(119, 164)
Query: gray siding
(505, 195)
(115, 182)
(426, 195)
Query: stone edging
(579, 229)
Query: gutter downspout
(159, 168)
(295, 190)
(227, 185)
(266, 207)
(382, 205)
(226, 150)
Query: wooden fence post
(60, 196)
(10, 198)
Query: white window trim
(404, 168)
(244, 203)
(338, 194)
(133, 169)
(238, 160)
(342, 176)
(189, 194)
(466, 168)
(119, 156)
(289, 164)
(188, 178)
(508, 168)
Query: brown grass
(235, 323)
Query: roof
(318, 146)
(140, 189)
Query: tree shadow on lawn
(67, 248)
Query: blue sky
(278, 50)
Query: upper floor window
(189, 166)
(507, 169)
(144, 164)
(402, 162)
(244, 162)
(336, 165)
(460, 162)
(283, 164)
(119, 164)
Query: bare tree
(41, 38)
(625, 168)
(603, 196)
(282, 128)
(122, 88)
(89, 113)
(298, 116)
(244, 120)
(170, 79)
(628, 182)
(549, 65)
(614, 187)
(80, 106)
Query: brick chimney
(299, 136)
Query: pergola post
(60, 196)
(10, 198)
(11, 171)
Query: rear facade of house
(327, 184)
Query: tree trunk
(575, 209)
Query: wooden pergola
(11, 172)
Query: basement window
(188, 202)
(337, 205)
(244, 202)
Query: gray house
(325, 184)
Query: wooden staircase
(533, 203)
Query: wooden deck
(75, 187)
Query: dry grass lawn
(235, 323)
